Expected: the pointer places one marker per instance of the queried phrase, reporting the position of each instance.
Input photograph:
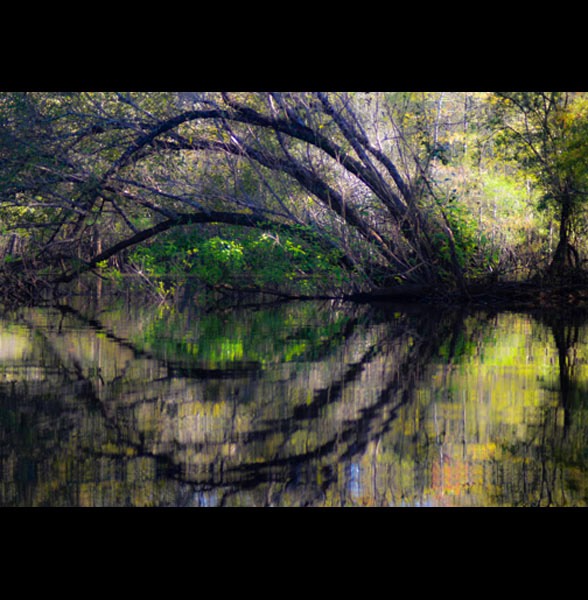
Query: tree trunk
(565, 258)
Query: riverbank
(539, 294)
(520, 295)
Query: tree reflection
(296, 405)
(236, 429)
(549, 467)
(565, 328)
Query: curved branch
(329, 197)
(291, 127)
(227, 218)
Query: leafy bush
(243, 259)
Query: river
(299, 404)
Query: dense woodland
(436, 195)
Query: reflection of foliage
(345, 406)
(500, 430)
(284, 334)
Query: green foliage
(544, 134)
(291, 333)
(463, 239)
(421, 185)
(242, 259)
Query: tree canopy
(314, 192)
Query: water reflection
(299, 404)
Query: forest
(434, 196)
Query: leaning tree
(86, 175)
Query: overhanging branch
(227, 218)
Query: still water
(319, 404)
